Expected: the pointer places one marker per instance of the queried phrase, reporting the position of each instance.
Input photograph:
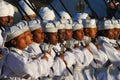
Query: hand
(61, 56)
(45, 57)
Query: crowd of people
(57, 48)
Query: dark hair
(9, 44)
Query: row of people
(62, 51)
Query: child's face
(91, 32)
(68, 34)
(19, 42)
(38, 36)
(53, 38)
(28, 37)
(79, 34)
(110, 33)
(61, 35)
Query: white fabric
(3, 9)
(83, 16)
(64, 15)
(116, 24)
(12, 32)
(50, 27)
(61, 26)
(26, 8)
(12, 68)
(23, 25)
(90, 23)
(77, 26)
(34, 24)
(108, 25)
(46, 13)
(11, 10)
(1, 39)
(68, 26)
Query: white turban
(46, 13)
(90, 23)
(50, 27)
(26, 8)
(64, 15)
(34, 24)
(11, 10)
(3, 9)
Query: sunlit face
(68, 34)
(109, 33)
(61, 35)
(28, 37)
(19, 42)
(4, 21)
(78, 34)
(38, 35)
(91, 32)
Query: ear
(13, 42)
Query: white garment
(19, 64)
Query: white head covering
(23, 26)
(90, 23)
(61, 26)
(34, 24)
(46, 13)
(116, 24)
(27, 9)
(108, 25)
(68, 26)
(12, 32)
(82, 16)
(50, 27)
(3, 9)
(77, 26)
(11, 10)
(64, 15)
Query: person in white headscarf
(28, 10)
(47, 14)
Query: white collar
(16, 50)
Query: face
(68, 34)
(91, 32)
(61, 35)
(109, 33)
(32, 17)
(28, 37)
(38, 36)
(78, 34)
(19, 42)
(53, 38)
(10, 20)
(4, 21)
